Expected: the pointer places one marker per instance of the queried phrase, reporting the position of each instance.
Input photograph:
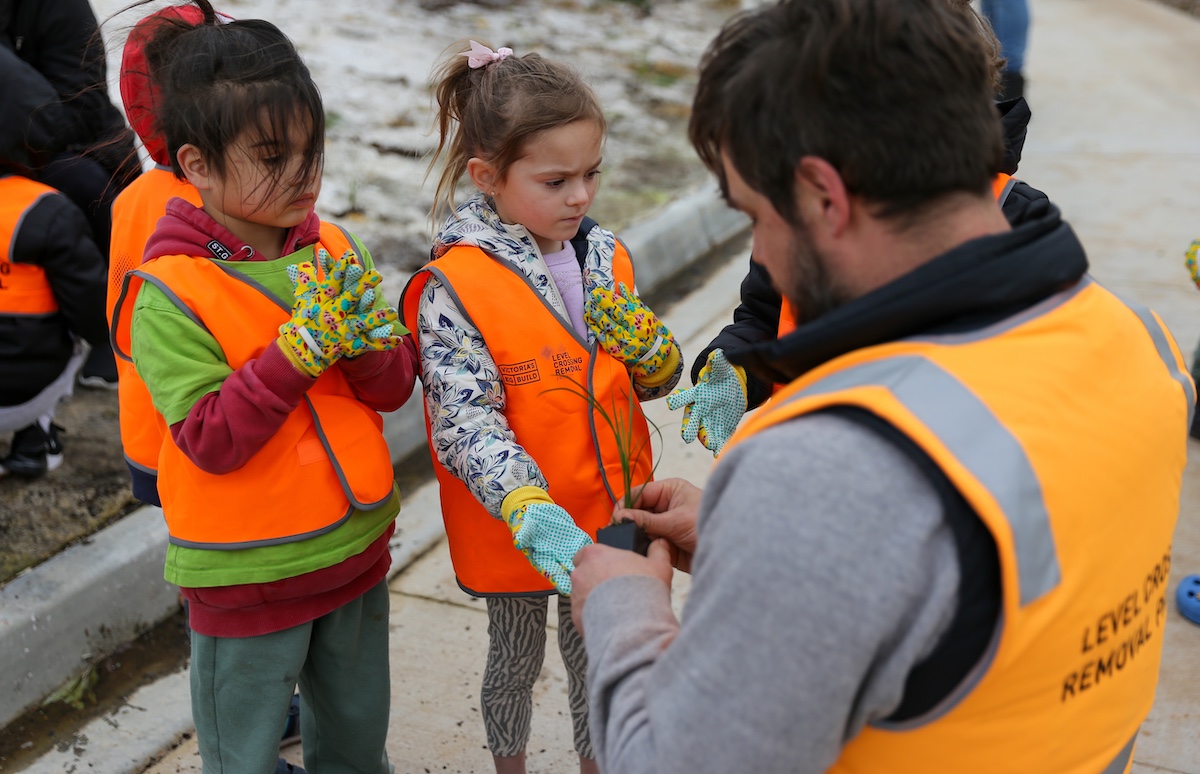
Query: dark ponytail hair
(491, 112)
(224, 77)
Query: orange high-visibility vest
(135, 215)
(1002, 185)
(327, 460)
(24, 287)
(1065, 428)
(543, 365)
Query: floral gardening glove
(714, 406)
(545, 533)
(372, 330)
(1190, 261)
(626, 329)
(318, 331)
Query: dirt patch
(39, 518)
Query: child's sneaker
(99, 370)
(283, 767)
(34, 452)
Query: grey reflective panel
(981, 443)
(1042, 307)
(12, 239)
(243, 278)
(172, 297)
(268, 542)
(1163, 345)
(1122, 760)
(1003, 197)
(337, 464)
(139, 466)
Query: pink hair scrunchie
(482, 56)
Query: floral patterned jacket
(463, 392)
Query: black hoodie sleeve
(61, 39)
(55, 235)
(32, 115)
(755, 319)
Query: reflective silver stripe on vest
(267, 542)
(978, 440)
(246, 279)
(1120, 762)
(12, 239)
(1158, 334)
(166, 291)
(1043, 307)
(1012, 181)
(1163, 345)
(337, 464)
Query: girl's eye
(273, 161)
(554, 183)
(595, 173)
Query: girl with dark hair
(526, 304)
(267, 362)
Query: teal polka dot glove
(545, 533)
(714, 406)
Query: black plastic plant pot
(627, 535)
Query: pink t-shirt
(568, 278)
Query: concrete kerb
(61, 615)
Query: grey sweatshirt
(824, 572)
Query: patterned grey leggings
(516, 649)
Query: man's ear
(482, 174)
(822, 200)
(194, 167)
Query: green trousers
(242, 687)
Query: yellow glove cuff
(741, 375)
(664, 374)
(293, 358)
(520, 497)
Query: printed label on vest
(1117, 636)
(565, 365)
(525, 372)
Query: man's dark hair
(897, 95)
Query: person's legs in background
(99, 369)
(28, 399)
(35, 450)
(1010, 22)
(93, 188)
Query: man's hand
(595, 564)
(668, 509)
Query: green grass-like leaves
(621, 423)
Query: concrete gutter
(83, 603)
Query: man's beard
(809, 288)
